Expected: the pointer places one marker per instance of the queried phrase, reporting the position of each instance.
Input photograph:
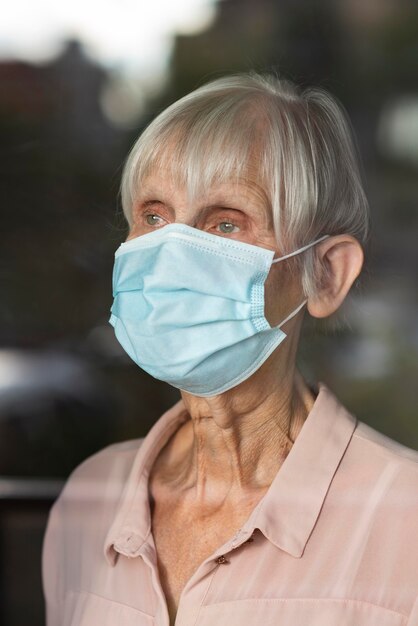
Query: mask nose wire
(299, 250)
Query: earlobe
(341, 258)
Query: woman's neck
(234, 443)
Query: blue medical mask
(189, 307)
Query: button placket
(236, 543)
(221, 560)
(196, 589)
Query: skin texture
(219, 464)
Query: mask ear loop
(287, 256)
(292, 314)
(299, 250)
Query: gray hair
(299, 142)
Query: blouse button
(221, 560)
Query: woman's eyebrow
(150, 198)
(221, 206)
(204, 211)
(263, 214)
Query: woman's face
(236, 210)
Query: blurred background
(78, 82)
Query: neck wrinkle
(226, 453)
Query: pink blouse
(334, 541)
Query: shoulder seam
(402, 452)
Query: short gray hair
(299, 140)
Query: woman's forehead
(161, 183)
(205, 160)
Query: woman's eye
(153, 220)
(227, 228)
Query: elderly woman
(255, 500)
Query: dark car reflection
(54, 411)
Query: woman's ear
(341, 258)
